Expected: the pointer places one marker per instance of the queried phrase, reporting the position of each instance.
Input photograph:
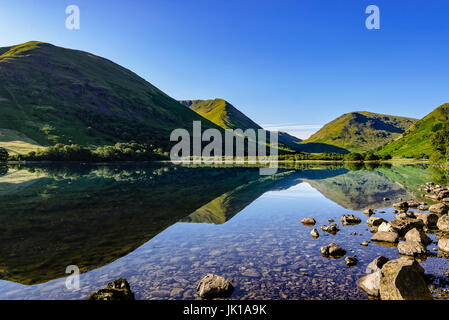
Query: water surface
(164, 227)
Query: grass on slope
(415, 142)
(222, 113)
(57, 95)
(16, 142)
(361, 131)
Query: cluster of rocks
(399, 279)
(436, 192)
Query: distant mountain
(50, 95)
(225, 115)
(361, 131)
(416, 140)
(222, 113)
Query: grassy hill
(16, 142)
(361, 131)
(50, 95)
(222, 113)
(415, 142)
(225, 115)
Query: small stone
(333, 228)
(314, 233)
(350, 219)
(365, 243)
(308, 221)
(368, 212)
(213, 286)
(332, 250)
(351, 261)
(116, 290)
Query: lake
(163, 227)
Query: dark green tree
(4, 155)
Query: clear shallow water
(163, 228)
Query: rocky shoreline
(386, 279)
(402, 278)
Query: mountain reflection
(91, 215)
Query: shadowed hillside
(55, 95)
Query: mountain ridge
(55, 95)
(361, 131)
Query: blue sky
(289, 64)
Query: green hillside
(222, 113)
(50, 95)
(415, 142)
(16, 142)
(225, 115)
(361, 131)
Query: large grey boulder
(403, 226)
(418, 235)
(402, 279)
(429, 219)
(213, 286)
(411, 248)
(443, 223)
(440, 208)
(382, 236)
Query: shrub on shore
(4, 155)
(119, 152)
